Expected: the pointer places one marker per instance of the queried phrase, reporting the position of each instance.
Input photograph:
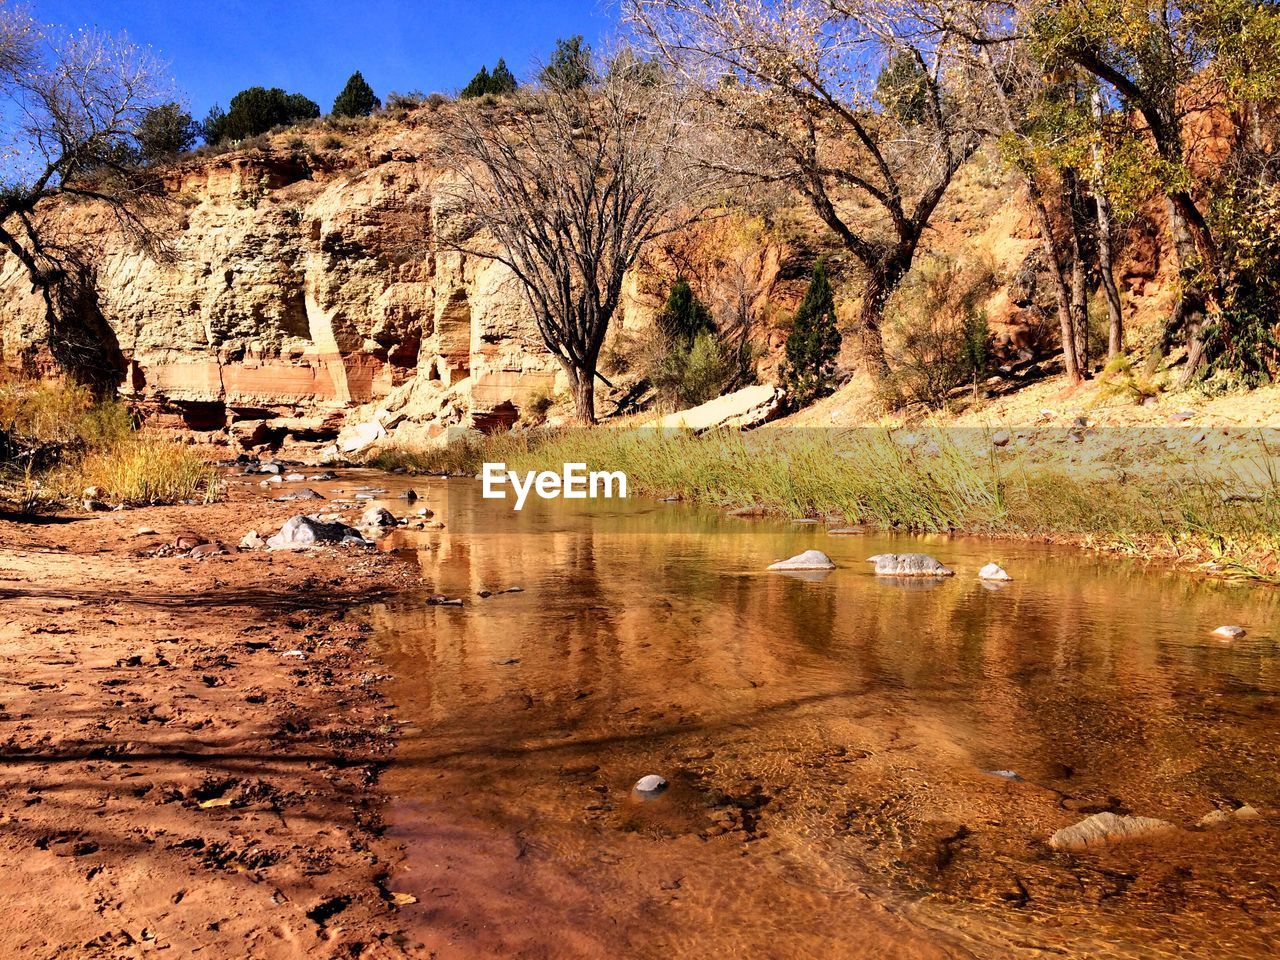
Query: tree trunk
(871, 322)
(1079, 269)
(1190, 312)
(1061, 293)
(1115, 318)
(583, 385)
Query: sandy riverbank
(190, 747)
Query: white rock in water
(1102, 828)
(1229, 633)
(993, 571)
(909, 565)
(378, 517)
(809, 560)
(649, 786)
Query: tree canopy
(256, 110)
(357, 98)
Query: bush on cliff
(256, 110)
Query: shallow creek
(831, 742)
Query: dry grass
(56, 441)
(139, 471)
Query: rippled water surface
(831, 743)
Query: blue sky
(218, 47)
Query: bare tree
(849, 102)
(567, 185)
(70, 108)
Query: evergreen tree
(163, 131)
(683, 316)
(479, 85)
(256, 110)
(570, 66)
(814, 342)
(502, 80)
(357, 98)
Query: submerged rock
(301, 532)
(648, 787)
(1001, 438)
(306, 493)
(809, 560)
(1103, 828)
(909, 565)
(1229, 633)
(993, 571)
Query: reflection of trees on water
(1082, 662)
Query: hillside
(311, 272)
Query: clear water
(830, 742)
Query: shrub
(164, 131)
(814, 342)
(405, 101)
(941, 340)
(55, 437)
(689, 363)
(357, 98)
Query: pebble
(1229, 633)
(648, 787)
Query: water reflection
(829, 741)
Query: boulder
(378, 517)
(188, 540)
(993, 571)
(360, 436)
(1104, 828)
(301, 532)
(742, 409)
(909, 565)
(809, 560)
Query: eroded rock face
(299, 284)
(287, 287)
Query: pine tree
(479, 85)
(502, 80)
(356, 99)
(683, 316)
(814, 342)
(570, 65)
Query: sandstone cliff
(310, 274)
